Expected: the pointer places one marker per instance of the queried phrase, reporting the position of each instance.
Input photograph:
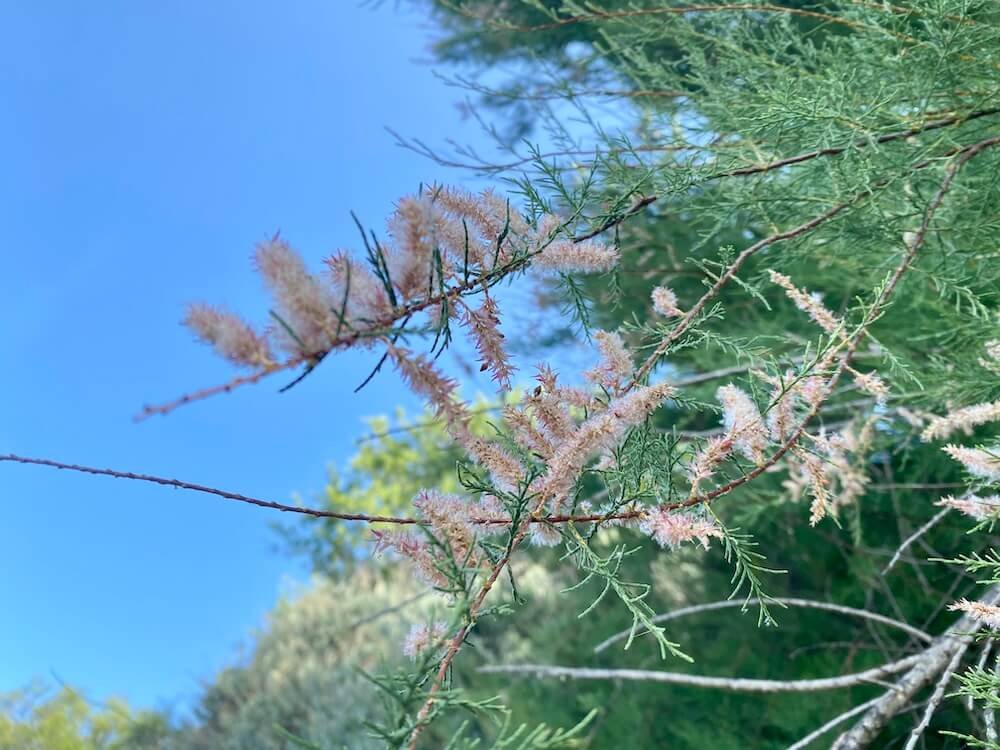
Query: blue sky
(146, 148)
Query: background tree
(37, 718)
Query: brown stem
(314, 512)
(915, 243)
(859, 143)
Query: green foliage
(38, 719)
(826, 563)
(835, 91)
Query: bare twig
(182, 485)
(814, 735)
(786, 601)
(477, 163)
(913, 537)
(936, 697)
(215, 390)
(737, 684)
(379, 614)
(314, 512)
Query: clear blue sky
(146, 147)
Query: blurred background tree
(40, 718)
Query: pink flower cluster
(987, 614)
(423, 638)
(443, 244)
(974, 506)
(670, 529)
(812, 304)
(979, 462)
(965, 419)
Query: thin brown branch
(851, 344)
(859, 143)
(616, 220)
(455, 645)
(314, 512)
(683, 10)
(182, 485)
(689, 318)
(215, 390)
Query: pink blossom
(704, 463)
(566, 256)
(417, 551)
(424, 379)
(484, 326)
(670, 529)
(487, 216)
(597, 433)
(526, 433)
(872, 384)
(978, 462)
(818, 486)
(544, 535)
(964, 419)
(781, 415)
(449, 516)
(987, 614)
(505, 470)
(808, 303)
(366, 298)
(304, 304)
(230, 335)
(743, 422)
(665, 302)
(979, 508)
(421, 638)
(413, 228)
(616, 361)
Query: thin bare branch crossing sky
(146, 149)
